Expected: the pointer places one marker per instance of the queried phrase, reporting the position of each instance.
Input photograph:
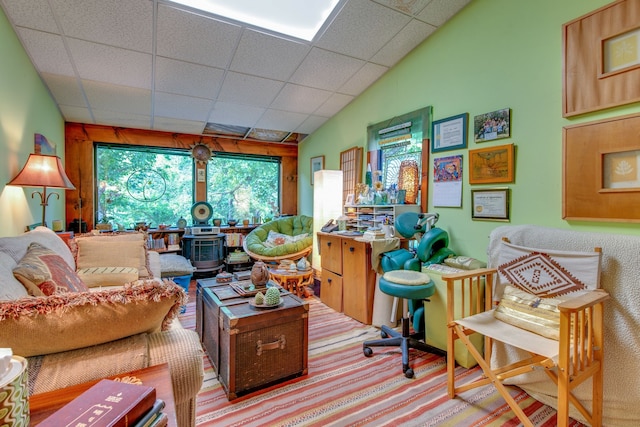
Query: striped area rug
(345, 388)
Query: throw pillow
(44, 272)
(529, 312)
(61, 322)
(120, 248)
(10, 287)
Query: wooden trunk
(249, 347)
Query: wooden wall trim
(79, 162)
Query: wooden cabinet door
(331, 253)
(358, 280)
(331, 289)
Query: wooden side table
(293, 281)
(44, 404)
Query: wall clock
(201, 153)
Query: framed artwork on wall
(601, 64)
(490, 204)
(493, 125)
(317, 163)
(449, 133)
(492, 165)
(601, 161)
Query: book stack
(111, 403)
(237, 256)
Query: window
(243, 187)
(142, 184)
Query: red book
(108, 403)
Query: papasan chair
(289, 237)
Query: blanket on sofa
(620, 269)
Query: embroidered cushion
(42, 325)
(108, 276)
(527, 311)
(44, 272)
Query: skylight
(296, 18)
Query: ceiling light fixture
(300, 19)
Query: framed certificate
(449, 133)
(490, 204)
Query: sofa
(620, 268)
(94, 307)
(288, 237)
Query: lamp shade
(43, 171)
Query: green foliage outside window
(243, 187)
(157, 186)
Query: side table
(44, 404)
(293, 281)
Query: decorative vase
(259, 274)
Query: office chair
(402, 278)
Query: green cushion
(289, 225)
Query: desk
(44, 404)
(293, 281)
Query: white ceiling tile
(106, 64)
(34, 14)
(363, 79)
(326, 70)
(335, 103)
(267, 56)
(280, 120)
(195, 38)
(122, 23)
(185, 78)
(125, 100)
(235, 114)
(243, 89)
(300, 99)
(403, 43)
(182, 107)
(47, 52)
(412, 7)
(311, 124)
(65, 90)
(76, 114)
(108, 117)
(439, 11)
(177, 125)
(362, 28)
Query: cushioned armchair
(288, 237)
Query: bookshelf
(362, 217)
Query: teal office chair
(402, 278)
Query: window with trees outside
(142, 184)
(156, 185)
(243, 187)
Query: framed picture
(601, 66)
(349, 200)
(317, 163)
(493, 125)
(449, 133)
(491, 165)
(491, 204)
(600, 178)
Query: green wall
(26, 108)
(493, 54)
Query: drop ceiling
(151, 64)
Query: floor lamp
(46, 172)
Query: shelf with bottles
(362, 217)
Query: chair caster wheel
(408, 373)
(367, 351)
